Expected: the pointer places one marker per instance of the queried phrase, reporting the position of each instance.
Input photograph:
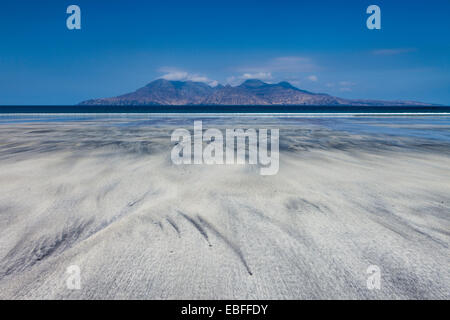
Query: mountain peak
(158, 83)
(252, 83)
(163, 83)
(286, 84)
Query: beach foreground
(105, 196)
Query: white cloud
(284, 68)
(236, 80)
(258, 75)
(197, 78)
(173, 74)
(232, 80)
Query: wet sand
(105, 196)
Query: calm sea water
(222, 109)
(417, 125)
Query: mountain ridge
(249, 92)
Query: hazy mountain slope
(161, 92)
(250, 92)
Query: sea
(431, 122)
(213, 109)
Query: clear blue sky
(322, 46)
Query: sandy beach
(104, 195)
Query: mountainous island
(250, 92)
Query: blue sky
(322, 46)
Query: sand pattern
(104, 195)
